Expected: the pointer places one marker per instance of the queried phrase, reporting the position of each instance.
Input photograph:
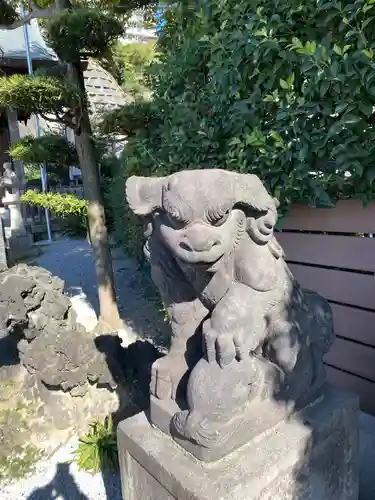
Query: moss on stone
(18, 456)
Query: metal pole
(43, 170)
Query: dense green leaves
(52, 149)
(129, 64)
(285, 90)
(130, 120)
(7, 13)
(72, 32)
(39, 94)
(60, 204)
(136, 59)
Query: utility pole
(43, 170)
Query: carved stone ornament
(247, 341)
(9, 179)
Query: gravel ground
(55, 479)
(72, 261)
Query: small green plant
(98, 448)
(164, 311)
(71, 210)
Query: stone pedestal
(3, 249)
(313, 456)
(14, 137)
(20, 242)
(13, 202)
(21, 247)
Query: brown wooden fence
(332, 252)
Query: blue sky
(160, 20)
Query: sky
(160, 20)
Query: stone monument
(3, 249)
(20, 242)
(239, 407)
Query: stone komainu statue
(247, 342)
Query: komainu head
(201, 214)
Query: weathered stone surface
(65, 359)
(21, 246)
(11, 184)
(67, 410)
(53, 347)
(19, 242)
(313, 456)
(3, 250)
(247, 342)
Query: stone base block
(21, 247)
(313, 456)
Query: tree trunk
(91, 186)
(96, 219)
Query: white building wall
(136, 32)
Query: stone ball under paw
(213, 389)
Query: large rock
(56, 377)
(57, 350)
(66, 359)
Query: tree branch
(117, 138)
(66, 118)
(35, 13)
(54, 120)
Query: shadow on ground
(72, 261)
(131, 369)
(62, 487)
(9, 355)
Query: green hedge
(285, 90)
(126, 227)
(59, 204)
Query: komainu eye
(174, 221)
(222, 220)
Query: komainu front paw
(166, 375)
(224, 347)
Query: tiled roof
(102, 89)
(103, 93)
(12, 44)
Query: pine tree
(74, 30)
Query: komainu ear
(144, 194)
(249, 190)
